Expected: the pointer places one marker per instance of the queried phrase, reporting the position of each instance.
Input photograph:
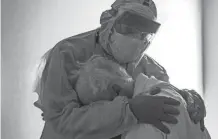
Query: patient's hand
(195, 106)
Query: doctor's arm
(64, 112)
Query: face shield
(128, 31)
(132, 34)
(136, 26)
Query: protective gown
(66, 117)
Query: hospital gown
(184, 129)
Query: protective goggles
(130, 23)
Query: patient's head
(97, 75)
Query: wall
(210, 30)
(30, 28)
(177, 46)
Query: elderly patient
(99, 74)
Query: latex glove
(155, 109)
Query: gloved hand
(195, 106)
(155, 110)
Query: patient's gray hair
(99, 72)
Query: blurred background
(186, 45)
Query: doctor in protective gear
(126, 31)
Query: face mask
(126, 49)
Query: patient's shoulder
(150, 67)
